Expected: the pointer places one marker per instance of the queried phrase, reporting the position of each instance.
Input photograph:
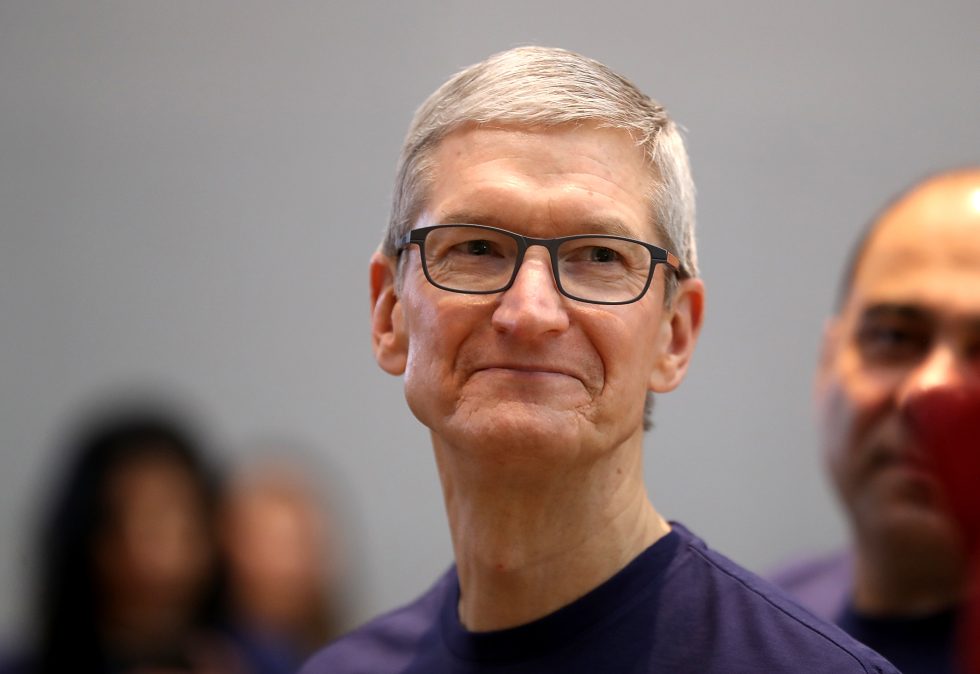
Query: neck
(527, 545)
(906, 579)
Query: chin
(518, 432)
(914, 525)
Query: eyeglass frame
(658, 256)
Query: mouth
(528, 369)
(527, 374)
(533, 370)
(910, 462)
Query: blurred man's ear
(679, 334)
(828, 352)
(388, 335)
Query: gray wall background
(190, 191)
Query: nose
(941, 372)
(937, 392)
(532, 306)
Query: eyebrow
(969, 325)
(599, 225)
(908, 312)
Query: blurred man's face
(528, 367)
(909, 332)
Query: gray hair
(540, 86)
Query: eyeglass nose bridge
(551, 245)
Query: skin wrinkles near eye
(592, 225)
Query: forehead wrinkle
(597, 223)
(590, 225)
(579, 184)
(577, 216)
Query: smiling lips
(535, 369)
(528, 368)
(527, 376)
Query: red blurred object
(946, 422)
(970, 623)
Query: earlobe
(388, 336)
(679, 334)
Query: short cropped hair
(859, 247)
(543, 87)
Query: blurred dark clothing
(15, 664)
(823, 585)
(265, 653)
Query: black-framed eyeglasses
(482, 260)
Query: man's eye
(478, 247)
(473, 247)
(602, 254)
(891, 343)
(588, 254)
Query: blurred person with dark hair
(282, 554)
(127, 564)
(898, 399)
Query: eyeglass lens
(595, 268)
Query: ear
(829, 345)
(388, 336)
(678, 335)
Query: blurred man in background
(900, 363)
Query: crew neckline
(640, 579)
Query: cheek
(852, 404)
(436, 331)
(836, 418)
(626, 352)
(433, 336)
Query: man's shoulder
(820, 583)
(387, 643)
(772, 629)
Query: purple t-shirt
(678, 607)
(824, 585)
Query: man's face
(530, 368)
(909, 332)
